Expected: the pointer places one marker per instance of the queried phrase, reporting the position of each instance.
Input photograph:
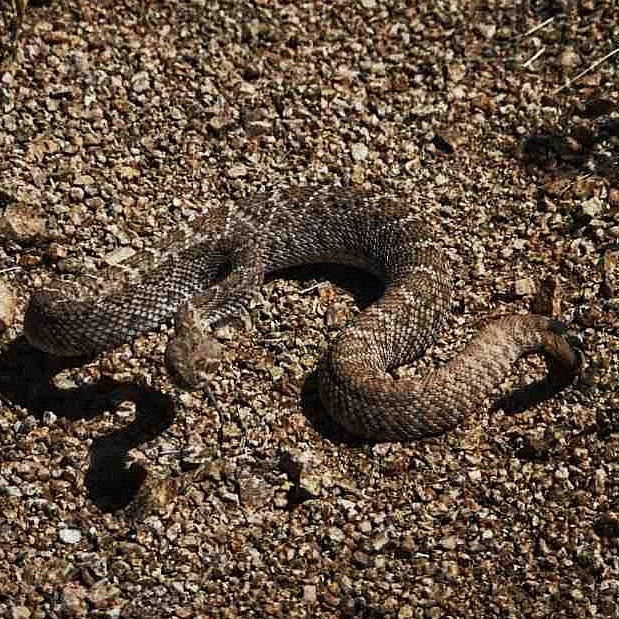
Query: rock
(361, 559)
(70, 536)
(336, 534)
(294, 462)
(406, 612)
(140, 82)
(358, 174)
(607, 525)
(301, 468)
(255, 492)
(487, 30)
(309, 593)
(156, 494)
(118, 255)
(548, 299)
(220, 121)
(570, 59)
(84, 180)
(365, 526)
(193, 354)
(237, 171)
(407, 546)
(20, 612)
(359, 151)
(456, 71)
(22, 223)
(7, 306)
(380, 540)
(70, 265)
(524, 286)
(74, 600)
(104, 596)
(258, 127)
(77, 194)
(592, 207)
(55, 251)
(49, 418)
(127, 172)
(449, 543)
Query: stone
(22, 223)
(118, 255)
(237, 171)
(258, 127)
(140, 82)
(449, 543)
(592, 207)
(487, 30)
(70, 536)
(309, 593)
(49, 418)
(301, 468)
(74, 600)
(570, 59)
(607, 525)
(359, 151)
(610, 273)
(7, 306)
(255, 492)
(524, 286)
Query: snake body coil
(217, 264)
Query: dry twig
(533, 58)
(590, 68)
(533, 30)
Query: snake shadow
(26, 380)
(573, 150)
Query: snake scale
(208, 272)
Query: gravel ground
(122, 496)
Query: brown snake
(209, 272)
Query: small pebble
(23, 223)
(359, 151)
(7, 306)
(70, 536)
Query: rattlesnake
(208, 272)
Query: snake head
(194, 353)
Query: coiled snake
(209, 272)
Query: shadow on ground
(26, 379)
(573, 151)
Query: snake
(210, 268)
